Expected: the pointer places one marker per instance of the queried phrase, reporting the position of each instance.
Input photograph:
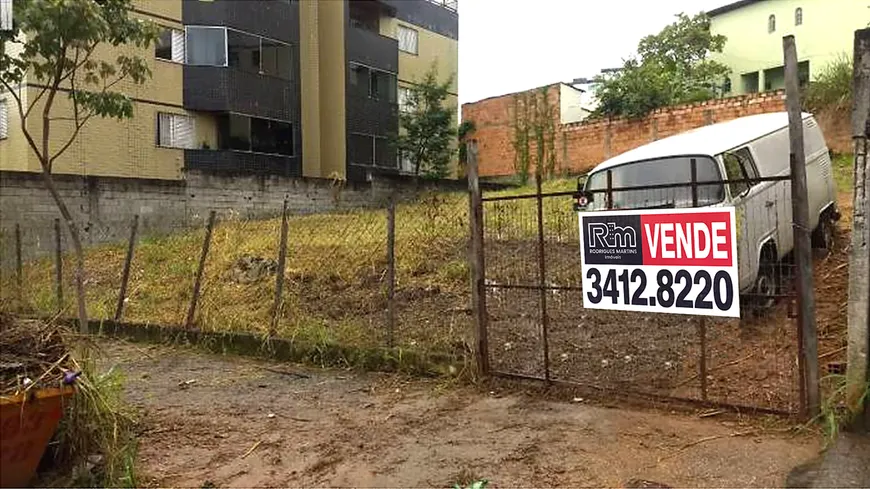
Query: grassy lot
(335, 280)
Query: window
(370, 150)
(4, 120)
(243, 51)
(663, 171)
(739, 165)
(404, 99)
(771, 23)
(798, 16)
(270, 136)
(276, 59)
(244, 133)
(206, 46)
(170, 45)
(368, 82)
(383, 86)
(175, 131)
(407, 40)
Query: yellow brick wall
(111, 147)
(15, 152)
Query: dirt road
(236, 422)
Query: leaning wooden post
(801, 224)
(278, 304)
(476, 262)
(125, 274)
(858, 366)
(197, 284)
(391, 272)
(19, 280)
(58, 265)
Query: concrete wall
(106, 205)
(581, 146)
(826, 32)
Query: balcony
(241, 163)
(224, 89)
(372, 49)
(278, 20)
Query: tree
(58, 56)
(672, 67)
(465, 129)
(427, 129)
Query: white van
(746, 148)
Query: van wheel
(825, 234)
(763, 295)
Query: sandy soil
(236, 422)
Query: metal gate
(529, 301)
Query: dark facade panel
(278, 19)
(426, 15)
(372, 49)
(238, 162)
(369, 116)
(224, 89)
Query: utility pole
(858, 367)
(801, 224)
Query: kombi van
(743, 150)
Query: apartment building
(277, 87)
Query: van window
(662, 171)
(740, 166)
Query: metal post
(197, 284)
(858, 362)
(477, 264)
(609, 202)
(125, 274)
(278, 304)
(801, 220)
(58, 265)
(18, 266)
(391, 271)
(542, 277)
(702, 320)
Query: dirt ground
(228, 421)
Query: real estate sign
(678, 261)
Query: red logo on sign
(695, 239)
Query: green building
(823, 30)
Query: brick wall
(581, 146)
(106, 205)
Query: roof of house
(707, 140)
(731, 6)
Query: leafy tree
(427, 127)
(58, 43)
(672, 67)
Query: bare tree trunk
(77, 247)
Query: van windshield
(661, 171)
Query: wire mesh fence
(336, 283)
(538, 327)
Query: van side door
(752, 208)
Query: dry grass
(335, 279)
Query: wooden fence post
(391, 271)
(19, 280)
(476, 261)
(807, 336)
(125, 274)
(858, 365)
(197, 284)
(278, 304)
(58, 265)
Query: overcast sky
(511, 45)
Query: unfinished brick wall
(580, 146)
